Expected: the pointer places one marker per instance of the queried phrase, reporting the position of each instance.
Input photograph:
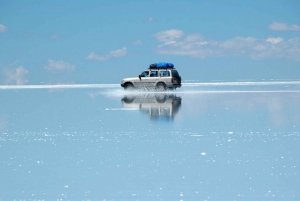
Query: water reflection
(100, 145)
(244, 111)
(160, 107)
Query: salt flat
(201, 142)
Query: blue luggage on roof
(162, 65)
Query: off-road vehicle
(159, 76)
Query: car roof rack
(151, 68)
(162, 65)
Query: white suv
(160, 76)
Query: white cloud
(117, 53)
(93, 56)
(112, 54)
(194, 37)
(59, 66)
(3, 28)
(196, 45)
(168, 35)
(137, 42)
(238, 43)
(17, 76)
(277, 26)
(275, 40)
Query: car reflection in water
(160, 107)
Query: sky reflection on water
(196, 143)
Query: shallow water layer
(201, 142)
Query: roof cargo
(161, 65)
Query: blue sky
(59, 42)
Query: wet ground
(205, 141)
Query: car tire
(161, 87)
(128, 86)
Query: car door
(152, 79)
(165, 77)
(142, 80)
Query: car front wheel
(128, 86)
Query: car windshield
(144, 74)
(175, 73)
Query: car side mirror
(140, 77)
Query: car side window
(153, 74)
(164, 74)
(175, 73)
(145, 74)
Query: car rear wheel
(161, 87)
